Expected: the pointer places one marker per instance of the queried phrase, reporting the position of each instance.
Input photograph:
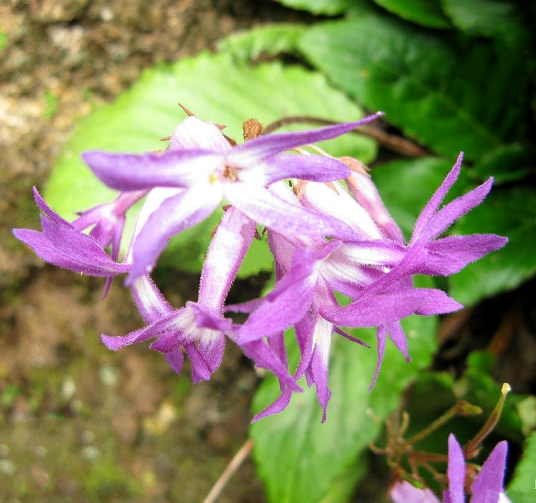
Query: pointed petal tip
(111, 342)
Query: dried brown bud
(252, 128)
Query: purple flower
(487, 487)
(201, 168)
(425, 254)
(63, 244)
(374, 270)
(199, 328)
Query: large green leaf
(509, 212)
(271, 39)
(327, 7)
(523, 486)
(507, 163)
(485, 17)
(424, 12)
(442, 93)
(298, 456)
(214, 87)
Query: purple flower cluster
(487, 487)
(328, 231)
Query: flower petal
(270, 210)
(305, 167)
(432, 206)
(225, 254)
(174, 215)
(262, 147)
(404, 492)
(488, 485)
(456, 471)
(451, 254)
(392, 307)
(446, 216)
(290, 299)
(193, 133)
(173, 168)
(70, 249)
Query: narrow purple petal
(456, 471)
(174, 215)
(276, 407)
(265, 357)
(175, 360)
(120, 341)
(172, 168)
(489, 483)
(446, 216)
(398, 338)
(286, 305)
(48, 211)
(212, 349)
(150, 302)
(290, 299)
(268, 209)
(319, 366)
(392, 307)
(451, 254)
(253, 151)
(381, 336)
(200, 370)
(432, 206)
(436, 302)
(81, 254)
(316, 168)
(225, 254)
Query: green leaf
(509, 212)
(437, 91)
(424, 12)
(268, 40)
(215, 87)
(506, 163)
(298, 457)
(523, 485)
(3, 40)
(327, 7)
(485, 17)
(407, 185)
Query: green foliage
(136, 121)
(327, 7)
(269, 40)
(311, 455)
(423, 12)
(435, 90)
(521, 488)
(485, 17)
(3, 40)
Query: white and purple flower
(487, 487)
(327, 238)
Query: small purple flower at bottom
(486, 488)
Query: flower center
(230, 173)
